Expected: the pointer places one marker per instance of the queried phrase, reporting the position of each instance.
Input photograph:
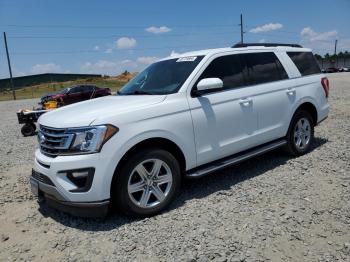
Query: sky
(108, 37)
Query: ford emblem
(42, 138)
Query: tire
(136, 193)
(300, 134)
(33, 126)
(28, 130)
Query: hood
(84, 113)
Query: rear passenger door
(274, 95)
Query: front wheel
(300, 134)
(28, 129)
(147, 183)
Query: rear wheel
(300, 134)
(147, 183)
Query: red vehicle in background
(48, 102)
(76, 94)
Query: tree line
(340, 55)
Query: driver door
(224, 120)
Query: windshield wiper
(138, 92)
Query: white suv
(184, 116)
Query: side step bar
(234, 159)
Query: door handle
(245, 101)
(291, 91)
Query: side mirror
(209, 83)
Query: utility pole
(241, 24)
(335, 53)
(9, 64)
(335, 47)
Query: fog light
(81, 178)
(80, 174)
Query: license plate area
(34, 185)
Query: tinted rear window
(228, 68)
(263, 67)
(305, 62)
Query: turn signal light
(325, 85)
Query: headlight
(89, 140)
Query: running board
(236, 158)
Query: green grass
(37, 91)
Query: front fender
(119, 149)
(154, 134)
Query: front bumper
(53, 169)
(49, 194)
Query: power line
(130, 49)
(115, 36)
(110, 26)
(278, 31)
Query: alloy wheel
(149, 183)
(302, 133)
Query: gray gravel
(270, 208)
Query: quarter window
(305, 62)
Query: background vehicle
(185, 116)
(77, 93)
(67, 96)
(344, 69)
(330, 70)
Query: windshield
(64, 91)
(161, 78)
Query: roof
(265, 44)
(230, 49)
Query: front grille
(54, 141)
(42, 178)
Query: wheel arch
(154, 142)
(310, 108)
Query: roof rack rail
(264, 44)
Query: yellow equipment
(50, 105)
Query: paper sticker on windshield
(186, 59)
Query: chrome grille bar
(54, 141)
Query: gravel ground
(269, 208)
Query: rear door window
(305, 62)
(89, 88)
(263, 67)
(228, 68)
